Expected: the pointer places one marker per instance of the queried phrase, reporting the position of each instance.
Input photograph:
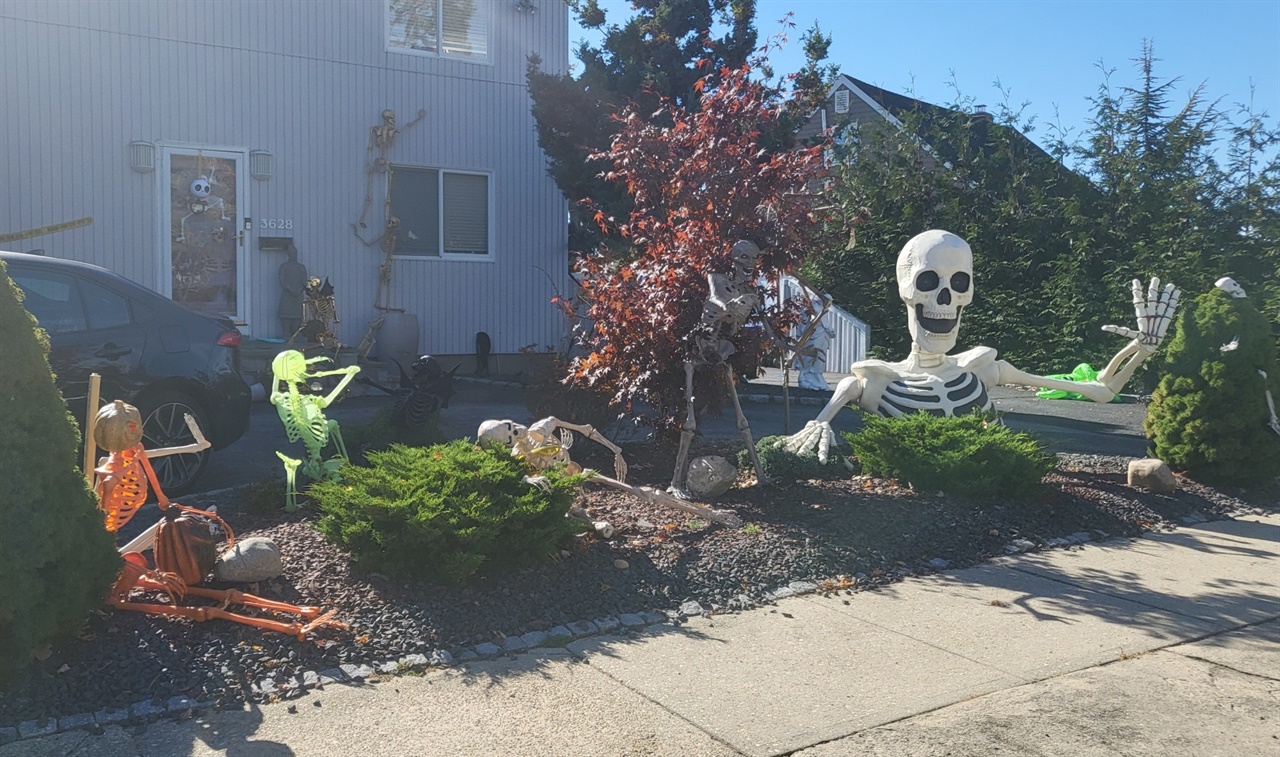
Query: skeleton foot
(816, 436)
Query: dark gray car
(150, 352)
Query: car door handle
(112, 352)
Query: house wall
(305, 80)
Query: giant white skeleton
(935, 282)
(546, 444)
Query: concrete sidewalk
(1165, 645)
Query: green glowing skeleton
(303, 418)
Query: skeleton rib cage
(962, 394)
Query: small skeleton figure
(812, 358)
(322, 312)
(122, 488)
(303, 418)
(420, 395)
(731, 300)
(935, 282)
(546, 444)
(1229, 285)
(202, 200)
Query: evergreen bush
(57, 561)
(972, 455)
(1208, 415)
(445, 512)
(784, 465)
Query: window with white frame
(449, 28)
(442, 213)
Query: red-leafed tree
(699, 180)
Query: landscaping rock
(110, 716)
(32, 728)
(533, 639)
(938, 563)
(416, 661)
(256, 558)
(441, 659)
(711, 476)
(357, 672)
(1152, 474)
(691, 609)
(8, 735)
(631, 620)
(515, 644)
(488, 649)
(145, 710)
(606, 624)
(75, 722)
(583, 628)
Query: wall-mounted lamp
(260, 164)
(142, 156)
(526, 6)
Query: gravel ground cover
(830, 536)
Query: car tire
(163, 425)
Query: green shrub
(972, 455)
(380, 432)
(784, 465)
(1208, 415)
(445, 512)
(57, 561)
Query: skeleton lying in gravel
(935, 281)
(546, 444)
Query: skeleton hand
(195, 431)
(816, 436)
(619, 468)
(1154, 311)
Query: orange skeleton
(122, 489)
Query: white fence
(852, 336)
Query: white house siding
(305, 80)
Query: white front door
(202, 212)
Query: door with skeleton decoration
(203, 245)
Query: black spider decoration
(421, 395)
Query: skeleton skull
(506, 433)
(935, 281)
(200, 188)
(744, 255)
(1229, 285)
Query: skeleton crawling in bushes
(546, 444)
(935, 282)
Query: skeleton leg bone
(1274, 423)
(653, 496)
(744, 428)
(681, 473)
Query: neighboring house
(853, 101)
(185, 143)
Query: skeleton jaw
(933, 330)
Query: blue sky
(1043, 51)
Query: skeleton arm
(199, 445)
(1154, 312)
(550, 424)
(347, 374)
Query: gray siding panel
(306, 81)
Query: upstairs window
(447, 28)
(442, 213)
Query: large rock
(256, 558)
(1152, 474)
(711, 476)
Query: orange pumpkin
(117, 426)
(185, 545)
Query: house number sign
(276, 223)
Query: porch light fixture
(526, 6)
(261, 163)
(142, 156)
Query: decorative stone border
(558, 636)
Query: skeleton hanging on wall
(546, 444)
(382, 138)
(732, 299)
(935, 282)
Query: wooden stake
(91, 419)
